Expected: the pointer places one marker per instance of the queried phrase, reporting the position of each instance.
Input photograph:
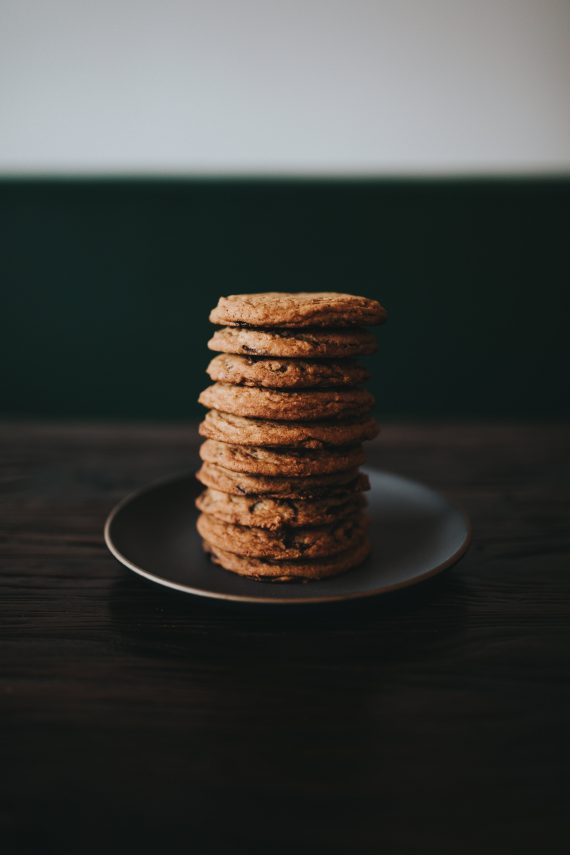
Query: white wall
(289, 86)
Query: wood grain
(432, 720)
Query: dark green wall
(107, 286)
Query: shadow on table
(302, 708)
(402, 624)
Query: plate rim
(260, 600)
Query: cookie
(275, 514)
(285, 373)
(306, 405)
(244, 431)
(303, 309)
(298, 462)
(311, 344)
(288, 544)
(289, 571)
(335, 485)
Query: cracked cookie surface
(285, 373)
(289, 571)
(305, 405)
(309, 344)
(301, 309)
(240, 430)
(275, 514)
(281, 461)
(288, 543)
(335, 485)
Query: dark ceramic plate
(415, 534)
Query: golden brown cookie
(305, 405)
(274, 514)
(302, 309)
(336, 485)
(309, 344)
(263, 432)
(285, 373)
(288, 544)
(298, 462)
(289, 571)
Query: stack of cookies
(284, 432)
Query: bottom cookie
(264, 570)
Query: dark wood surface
(434, 720)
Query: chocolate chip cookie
(263, 432)
(303, 309)
(275, 514)
(289, 544)
(336, 485)
(308, 344)
(281, 461)
(305, 405)
(289, 571)
(285, 373)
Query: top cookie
(303, 309)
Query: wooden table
(433, 720)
